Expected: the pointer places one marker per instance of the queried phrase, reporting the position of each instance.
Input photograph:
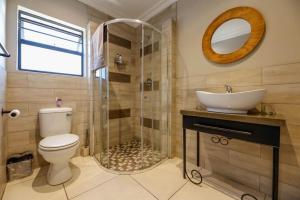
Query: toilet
(58, 145)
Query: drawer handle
(223, 129)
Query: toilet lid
(57, 142)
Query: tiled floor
(90, 182)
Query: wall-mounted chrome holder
(5, 52)
(5, 112)
(148, 82)
(119, 61)
(15, 113)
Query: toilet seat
(58, 142)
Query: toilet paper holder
(5, 112)
(8, 112)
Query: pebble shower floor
(127, 157)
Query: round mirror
(231, 36)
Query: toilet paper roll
(14, 113)
(84, 151)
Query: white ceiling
(136, 9)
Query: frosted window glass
(46, 60)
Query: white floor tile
(164, 180)
(86, 175)
(34, 189)
(91, 182)
(202, 192)
(120, 188)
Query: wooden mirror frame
(257, 23)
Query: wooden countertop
(271, 120)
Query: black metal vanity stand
(260, 130)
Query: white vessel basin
(237, 102)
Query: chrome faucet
(228, 88)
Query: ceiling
(136, 9)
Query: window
(48, 46)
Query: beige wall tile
(22, 124)
(244, 147)
(289, 154)
(252, 163)
(72, 95)
(289, 174)
(281, 74)
(289, 112)
(282, 94)
(82, 106)
(21, 138)
(17, 80)
(191, 82)
(290, 134)
(56, 81)
(235, 78)
(232, 172)
(286, 192)
(214, 150)
(80, 117)
(36, 80)
(29, 94)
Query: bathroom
(148, 107)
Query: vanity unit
(261, 129)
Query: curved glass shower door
(154, 128)
(130, 99)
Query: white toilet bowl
(58, 150)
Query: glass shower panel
(101, 105)
(156, 96)
(98, 146)
(151, 108)
(164, 91)
(124, 146)
(104, 130)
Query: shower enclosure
(130, 97)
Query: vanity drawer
(257, 133)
